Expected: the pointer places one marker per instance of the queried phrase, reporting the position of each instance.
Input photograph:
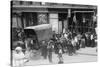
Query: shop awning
(39, 27)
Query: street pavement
(83, 55)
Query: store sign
(53, 15)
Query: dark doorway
(62, 17)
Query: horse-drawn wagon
(37, 34)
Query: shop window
(14, 21)
(30, 19)
(42, 18)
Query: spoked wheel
(35, 54)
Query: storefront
(83, 21)
(61, 16)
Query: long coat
(44, 50)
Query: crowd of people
(68, 42)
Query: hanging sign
(83, 19)
(74, 19)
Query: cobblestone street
(84, 55)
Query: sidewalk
(88, 51)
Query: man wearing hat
(50, 50)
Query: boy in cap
(60, 55)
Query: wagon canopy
(42, 32)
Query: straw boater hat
(18, 48)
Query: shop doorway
(84, 22)
(62, 22)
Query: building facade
(80, 18)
